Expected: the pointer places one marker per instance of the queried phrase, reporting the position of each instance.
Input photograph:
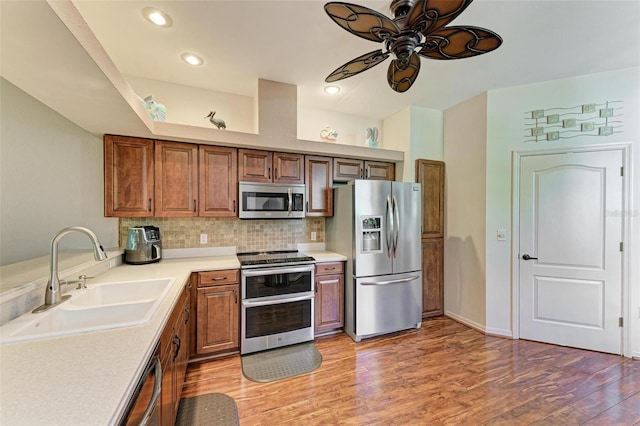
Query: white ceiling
(295, 42)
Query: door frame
(516, 157)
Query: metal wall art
(557, 123)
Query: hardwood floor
(444, 373)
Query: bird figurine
(216, 121)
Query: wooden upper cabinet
(288, 168)
(254, 165)
(318, 178)
(430, 174)
(176, 186)
(266, 166)
(346, 169)
(379, 170)
(128, 177)
(218, 181)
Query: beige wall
(465, 173)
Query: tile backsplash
(245, 235)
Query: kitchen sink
(98, 307)
(121, 292)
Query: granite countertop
(89, 378)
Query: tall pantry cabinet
(430, 174)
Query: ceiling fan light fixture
(332, 89)
(192, 59)
(157, 17)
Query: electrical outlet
(313, 236)
(203, 238)
(501, 234)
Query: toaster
(143, 245)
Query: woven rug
(280, 363)
(210, 409)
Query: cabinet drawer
(329, 268)
(226, 276)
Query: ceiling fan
(419, 28)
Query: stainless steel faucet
(53, 295)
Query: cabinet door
(218, 318)
(432, 277)
(346, 169)
(379, 170)
(176, 187)
(318, 177)
(254, 165)
(128, 177)
(329, 302)
(182, 355)
(288, 168)
(430, 174)
(218, 182)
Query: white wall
(505, 133)
(417, 131)
(189, 105)
(51, 177)
(465, 210)
(351, 128)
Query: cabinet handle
(330, 269)
(218, 278)
(307, 207)
(360, 172)
(276, 174)
(366, 173)
(269, 172)
(317, 287)
(188, 312)
(149, 207)
(234, 206)
(236, 293)
(194, 206)
(177, 342)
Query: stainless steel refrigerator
(376, 225)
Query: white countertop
(88, 378)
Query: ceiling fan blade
(401, 75)
(427, 16)
(362, 21)
(357, 65)
(459, 42)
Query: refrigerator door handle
(400, 281)
(396, 228)
(389, 220)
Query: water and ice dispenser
(371, 234)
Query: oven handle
(259, 272)
(250, 304)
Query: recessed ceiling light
(331, 90)
(157, 17)
(192, 59)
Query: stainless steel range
(277, 299)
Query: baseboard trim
(494, 332)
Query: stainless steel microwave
(271, 200)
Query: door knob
(527, 257)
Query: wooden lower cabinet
(329, 298)
(218, 312)
(174, 350)
(432, 277)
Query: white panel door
(570, 260)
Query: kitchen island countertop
(88, 378)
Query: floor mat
(280, 363)
(209, 409)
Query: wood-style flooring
(444, 373)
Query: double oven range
(277, 299)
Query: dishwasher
(144, 407)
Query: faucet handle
(82, 283)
